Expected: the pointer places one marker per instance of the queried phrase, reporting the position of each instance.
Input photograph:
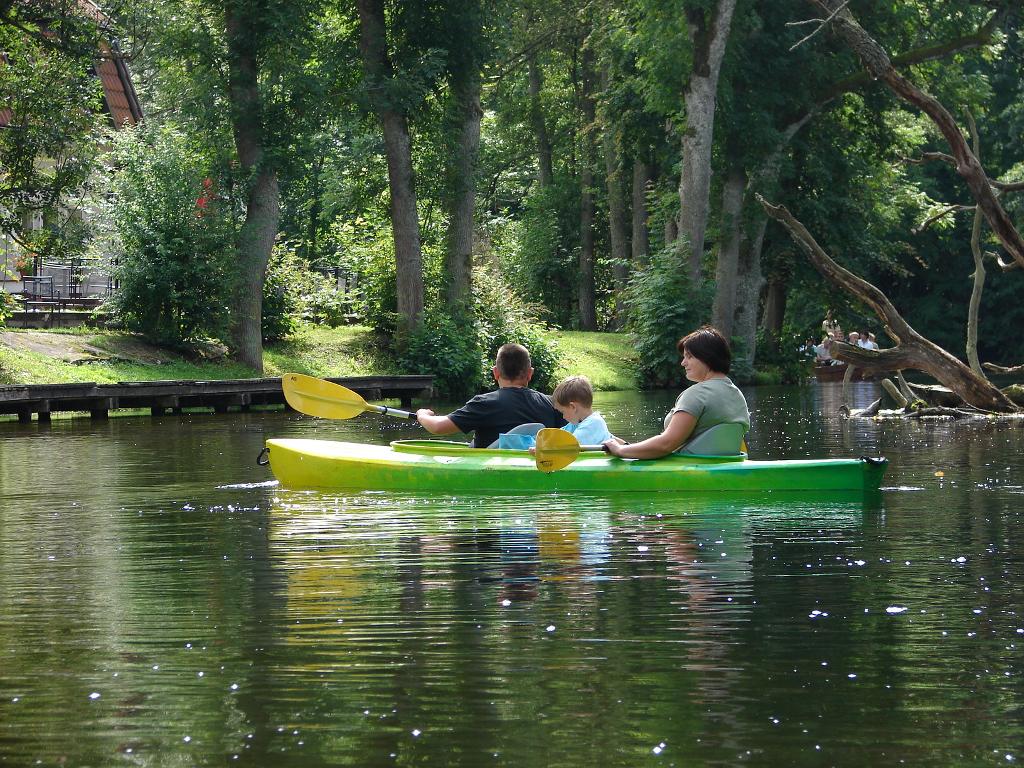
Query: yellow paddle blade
(316, 397)
(556, 449)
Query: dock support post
(24, 416)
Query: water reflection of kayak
(439, 465)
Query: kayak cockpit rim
(455, 448)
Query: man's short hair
(709, 346)
(575, 389)
(513, 361)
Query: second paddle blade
(556, 449)
(316, 397)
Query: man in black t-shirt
(511, 404)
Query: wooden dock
(161, 396)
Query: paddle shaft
(383, 410)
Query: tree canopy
(580, 154)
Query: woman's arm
(679, 429)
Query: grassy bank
(607, 359)
(52, 357)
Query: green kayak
(438, 465)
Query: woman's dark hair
(709, 346)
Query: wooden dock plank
(219, 395)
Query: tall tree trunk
(540, 129)
(749, 282)
(616, 212)
(462, 186)
(263, 206)
(586, 294)
(315, 208)
(641, 240)
(729, 252)
(708, 35)
(398, 148)
(774, 309)
(978, 284)
(671, 230)
(978, 278)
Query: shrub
(661, 308)
(781, 361)
(449, 349)
(281, 294)
(539, 260)
(293, 292)
(366, 251)
(175, 239)
(324, 304)
(6, 307)
(459, 348)
(503, 317)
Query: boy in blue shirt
(574, 399)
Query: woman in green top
(712, 400)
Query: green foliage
(448, 348)
(781, 361)
(281, 294)
(293, 293)
(49, 144)
(840, 173)
(175, 251)
(459, 349)
(324, 304)
(661, 308)
(504, 318)
(6, 307)
(378, 288)
(541, 264)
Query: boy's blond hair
(575, 389)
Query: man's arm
(434, 424)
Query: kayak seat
(720, 440)
(530, 429)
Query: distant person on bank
(511, 404)
(712, 400)
(830, 325)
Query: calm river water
(164, 603)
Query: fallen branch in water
(1002, 368)
(956, 413)
(913, 350)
